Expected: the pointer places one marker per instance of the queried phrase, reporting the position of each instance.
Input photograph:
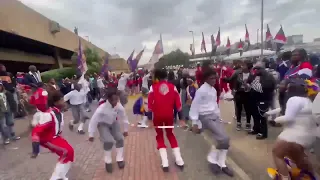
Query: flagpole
(192, 41)
(262, 7)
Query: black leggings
(242, 100)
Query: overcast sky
(119, 26)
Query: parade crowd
(167, 98)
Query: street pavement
(248, 156)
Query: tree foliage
(176, 57)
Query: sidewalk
(142, 160)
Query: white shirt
(145, 81)
(107, 114)
(204, 102)
(100, 83)
(75, 97)
(123, 81)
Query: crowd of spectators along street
(15, 92)
(254, 86)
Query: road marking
(236, 168)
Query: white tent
(248, 54)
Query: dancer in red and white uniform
(47, 133)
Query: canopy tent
(248, 54)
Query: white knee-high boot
(177, 155)
(119, 156)
(108, 156)
(222, 157)
(213, 156)
(164, 157)
(60, 171)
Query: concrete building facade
(26, 36)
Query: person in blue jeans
(8, 107)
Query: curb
(236, 168)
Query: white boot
(108, 157)
(222, 157)
(177, 155)
(143, 122)
(213, 156)
(164, 157)
(65, 169)
(119, 156)
(57, 171)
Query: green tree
(94, 63)
(176, 57)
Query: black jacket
(236, 82)
(8, 81)
(30, 79)
(268, 84)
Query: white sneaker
(142, 125)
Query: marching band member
(204, 108)
(77, 99)
(140, 107)
(122, 87)
(106, 120)
(47, 133)
(163, 98)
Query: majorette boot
(164, 159)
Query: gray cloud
(133, 24)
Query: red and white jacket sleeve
(45, 123)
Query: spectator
(52, 86)
(8, 107)
(33, 77)
(7, 79)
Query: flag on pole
(268, 38)
(280, 39)
(105, 68)
(228, 46)
(157, 52)
(247, 37)
(130, 60)
(203, 44)
(81, 61)
(213, 46)
(240, 47)
(218, 41)
(135, 62)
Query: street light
(193, 48)
(257, 36)
(262, 28)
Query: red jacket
(48, 127)
(39, 99)
(163, 98)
